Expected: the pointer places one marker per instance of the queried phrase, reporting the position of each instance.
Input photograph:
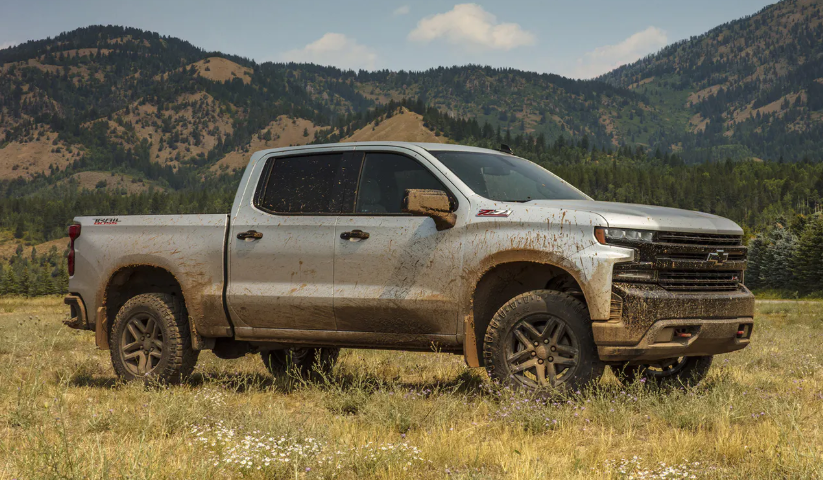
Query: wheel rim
(665, 368)
(141, 344)
(542, 351)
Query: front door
(282, 264)
(393, 272)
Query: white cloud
(605, 59)
(469, 25)
(6, 45)
(404, 10)
(334, 49)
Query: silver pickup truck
(414, 246)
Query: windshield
(507, 178)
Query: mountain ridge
(111, 98)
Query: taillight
(74, 232)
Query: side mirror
(430, 203)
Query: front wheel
(542, 339)
(686, 371)
(305, 361)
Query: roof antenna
(505, 149)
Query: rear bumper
(78, 318)
(651, 323)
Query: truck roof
(354, 145)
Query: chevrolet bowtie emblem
(718, 258)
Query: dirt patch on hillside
(31, 63)
(775, 107)
(698, 123)
(8, 248)
(222, 70)
(640, 83)
(380, 95)
(128, 39)
(698, 97)
(108, 181)
(404, 126)
(24, 159)
(283, 132)
(79, 52)
(608, 123)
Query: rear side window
(385, 179)
(304, 184)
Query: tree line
(787, 257)
(35, 274)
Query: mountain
(109, 98)
(750, 88)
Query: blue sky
(578, 39)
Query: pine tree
(808, 260)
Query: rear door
(402, 278)
(282, 246)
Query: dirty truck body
(417, 247)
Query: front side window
(506, 178)
(303, 184)
(384, 180)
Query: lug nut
(554, 349)
(546, 341)
(536, 344)
(534, 354)
(540, 362)
(551, 359)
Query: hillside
(403, 126)
(108, 98)
(751, 87)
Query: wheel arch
(127, 282)
(502, 278)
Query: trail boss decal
(494, 213)
(106, 221)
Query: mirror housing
(430, 203)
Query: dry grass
(390, 415)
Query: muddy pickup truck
(412, 246)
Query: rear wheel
(305, 361)
(686, 371)
(542, 339)
(150, 340)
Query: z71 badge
(106, 221)
(494, 213)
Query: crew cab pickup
(412, 246)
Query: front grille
(733, 256)
(700, 239)
(689, 262)
(697, 281)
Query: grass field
(395, 415)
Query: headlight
(622, 235)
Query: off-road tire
(551, 309)
(177, 357)
(306, 362)
(687, 372)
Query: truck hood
(648, 217)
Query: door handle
(252, 234)
(354, 234)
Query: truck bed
(190, 247)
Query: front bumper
(650, 323)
